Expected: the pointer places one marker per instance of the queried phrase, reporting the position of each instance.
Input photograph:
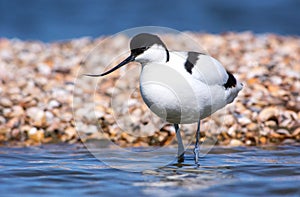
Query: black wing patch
(191, 61)
(231, 81)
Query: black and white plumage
(180, 87)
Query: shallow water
(71, 170)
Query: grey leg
(180, 144)
(196, 149)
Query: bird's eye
(145, 48)
(139, 50)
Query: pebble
(289, 141)
(235, 142)
(2, 120)
(263, 140)
(17, 111)
(5, 102)
(127, 137)
(49, 117)
(71, 132)
(268, 113)
(32, 131)
(7, 112)
(283, 132)
(54, 104)
(44, 69)
(229, 120)
(13, 122)
(66, 117)
(244, 120)
(36, 135)
(252, 126)
(270, 123)
(296, 133)
(37, 117)
(91, 129)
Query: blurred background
(50, 20)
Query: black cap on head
(143, 41)
(138, 45)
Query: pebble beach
(45, 99)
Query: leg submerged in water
(197, 149)
(180, 154)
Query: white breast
(179, 97)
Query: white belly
(176, 96)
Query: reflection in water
(72, 170)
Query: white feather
(178, 96)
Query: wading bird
(180, 87)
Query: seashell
(288, 141)
(15, 133)
(263, 140)
(13, 122)
(17, 111)
(2, 120)
(283, 132)
(127, 137)
(66, 117)
(71, 132)
(37, 116)
(91, 129)
(229, 120)
(244, 120)
(268, 114)
(271, 123)
(288, 119)
(232, 130)
(36, 135)
(252, 126)
(25, 128)
(5, 102)
(7, 112)
(28, 101)
(235, 142)
(296, 133)
(54, 104)
(44, 69)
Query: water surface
(50, 20)
(71, 170)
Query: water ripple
(72, 170)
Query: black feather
(191, 61)
(231, 81)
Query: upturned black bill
(124, 62)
